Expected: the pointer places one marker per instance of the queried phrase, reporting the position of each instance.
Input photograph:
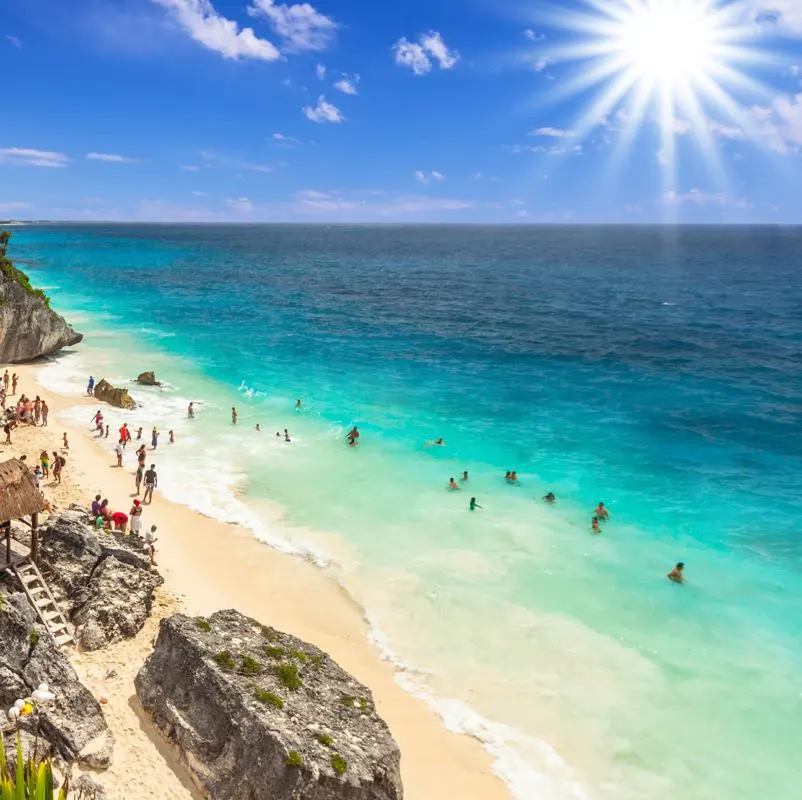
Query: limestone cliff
(29, 328)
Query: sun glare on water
(678, 63)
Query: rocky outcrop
(103, 581)
(148, 379)
(73, 724)
(29, 328)
(260, 714)
(119, 398)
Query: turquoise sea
(655, 369)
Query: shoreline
(209, 565)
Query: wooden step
(40, 597)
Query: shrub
(348, 701)
(268, 633)
(224, 660)
(250, 666)
(316, 660)
(287, 673)
(339, 764)
(299, 654)
(33, 637)
(363, 704)
(325, 739)
(268, 698)
(203, 624)
(36, 782)
(274, 652)
(294, 759)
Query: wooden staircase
(39, 596)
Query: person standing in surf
(233, 415)
(151, 482)
(353, 436)
(154, 438)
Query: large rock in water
(113, 396)
(148, 379)
(29, 328)
(103, 581)
(74, 724)
(262, 715)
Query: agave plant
(31, 780)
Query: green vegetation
(339, 764)
(300, 655)
(287, 673)
(225, 660)
(268, 633)
(363, 704)
(316, 660)
(325, 739)
(17, 275)
(268, 698)
(29, 780)
(250, 666)
(33, 637)
(203, 624)
(294, 759)
(274, 652)
(348, 701)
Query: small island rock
(113, 396)
(148, 379)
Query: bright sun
(679, 63)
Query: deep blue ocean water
(656, 369)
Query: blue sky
(258, 110)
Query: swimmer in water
(676, 574)
(191, 410)
(594, 525)
(464, 476)
(286, 436)
(257, 428)
(513, 477)
(233, 415)
(507, 475)
(438, 442)
(550, 498)
(298, 405)
(602, 513)
(473, 505)
(452, 484)
(353, 436)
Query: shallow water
(655, 369)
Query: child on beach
(44, 460)
(107, 432)
(138, 434)
(172, 437)
(66, 443)
(58, 463)
(154, 438)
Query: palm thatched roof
(19, 496)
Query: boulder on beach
(104, 582)
(260, 714)
(29, 328)
(147, 379)
(73, 724)
(113, 396)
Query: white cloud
(301, 25)
(284, 140)
(794, 70)
(556, 150)
(207, 27)
(190, 167)
(365, 205)
(14, 40)
(347, 85)
(418, 55)
(540, 64)
(428, 177)
(556, 133)
(112, 158)
(663, 158)
(13, 205)
(534, 37)
(320, 71)
(33, 158)
(779, 125)
(695, 197)
(783, 16)
(323, 111)
(211, 159)
(242, 205)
